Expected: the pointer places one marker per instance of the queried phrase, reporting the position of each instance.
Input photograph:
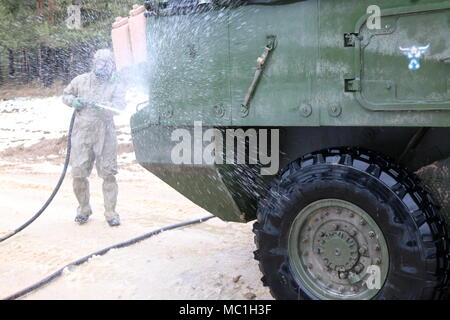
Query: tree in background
(35, 42)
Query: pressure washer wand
(116, 111)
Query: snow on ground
(213, 260)
(27, 123)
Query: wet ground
(213, 260)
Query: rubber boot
(110, 190)
(81, 190)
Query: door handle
(260, 64)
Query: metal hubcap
(340, 250)
(333, 245)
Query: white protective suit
(94, 135)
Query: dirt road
(213, 260)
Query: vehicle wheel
(347, 223)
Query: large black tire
(414, 230)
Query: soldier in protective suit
(94, 135)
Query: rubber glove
(78, 103)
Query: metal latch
(352, 85)
(260, 64)
(350, 39)
(154, 6)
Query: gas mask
(103, 69)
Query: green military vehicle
(348, 103)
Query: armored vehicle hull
(317, 113)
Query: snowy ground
(213, 260)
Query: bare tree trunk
(1, 72)
(51, 10)
(71, 63)
(27, 65)
(40, 7)
(19, 67)
(33, 63)
(47, 67)
(24, 68)
(39, 61)
(11, 71)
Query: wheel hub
(339, 251)
(331, 246)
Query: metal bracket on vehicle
(352, 85)
(151, 7)
(350, 39)
(260, 64)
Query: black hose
(98, 253)
(101, 252)
(55, 190)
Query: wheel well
(414, 146)
(402, 144)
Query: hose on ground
(101, 252)
(55, 190)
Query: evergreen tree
(34, 38)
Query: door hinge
(352, 85)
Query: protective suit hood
(103, 64)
